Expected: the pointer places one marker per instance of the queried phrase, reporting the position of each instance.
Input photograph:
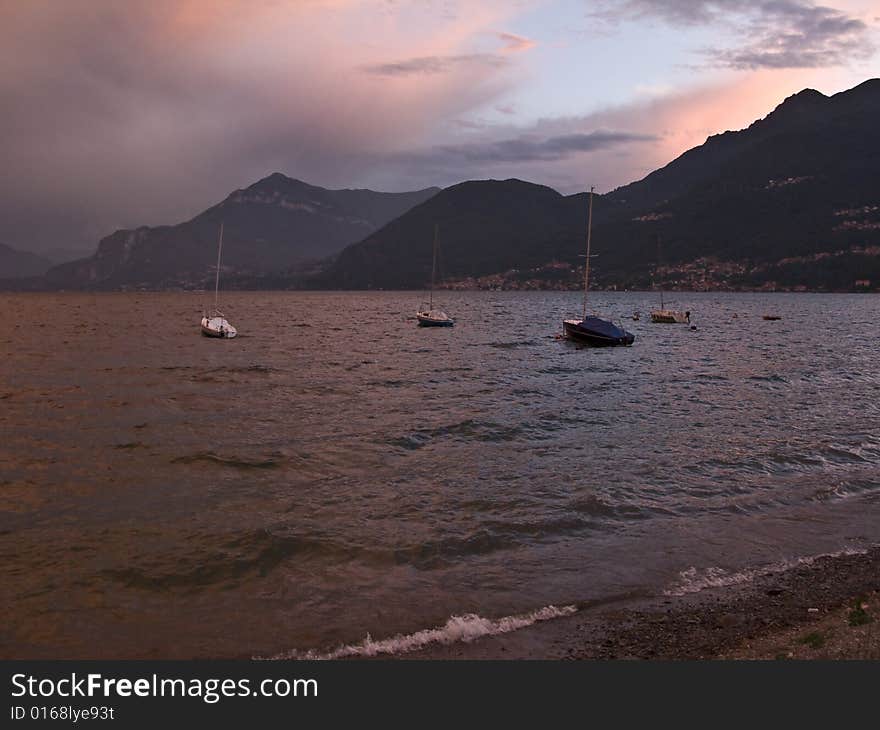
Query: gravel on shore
(827, 608)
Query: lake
(337, 472)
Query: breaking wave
(464, 628)
(694, 580)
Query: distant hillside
(484, 227)
(800, 183)
(15, 264)
(273, 225)
(793, 201)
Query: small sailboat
(668, 316)
(594, 330)
(214, 323)
(427, 315)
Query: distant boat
(668, 316)
(594, 330)
(772, 317)
(427, 315)
(214, 323)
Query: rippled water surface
(336, 471)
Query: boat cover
(602, 327)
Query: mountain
(485, 226)
(795, 188)
(16, 264)
(276, 224)
(702, 163)
(792, 201)
(63, 254)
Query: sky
(146, 112)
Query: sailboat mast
(217, 275)
(434, 264)
(587, 266)
(658, 271)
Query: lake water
(336, 471)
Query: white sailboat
(214, 323)
(427, 315)
(668, 316)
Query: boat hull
(597, 333)
(427, 319)
(217, 327)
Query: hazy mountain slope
(274, 224)
(15, 264)
(747, 208)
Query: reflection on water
(337, 470)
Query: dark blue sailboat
(593, 330)
(597, 332)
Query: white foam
(693, 580)
(457, 629)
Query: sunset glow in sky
(119, 114)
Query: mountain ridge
(16, 264)
(755, 207)
(275, 225)
(790, 201)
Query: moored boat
(597, 332)
(662, 315)
(670, 316)
(427, 316)
(214, 323)
(590, 329)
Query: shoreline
(13, 286)
(827, 608)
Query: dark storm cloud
(451, 163)
(146, 112)
(776, 33)
(524, 149)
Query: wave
(465, 628)
(494, 536)
(210, 457)
(694, 580)
(560, 370)
(256, 552)
(597, 507)
(469, 430)
(512, 345)
(843, 490)
(774, 378)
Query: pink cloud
(515, 44)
